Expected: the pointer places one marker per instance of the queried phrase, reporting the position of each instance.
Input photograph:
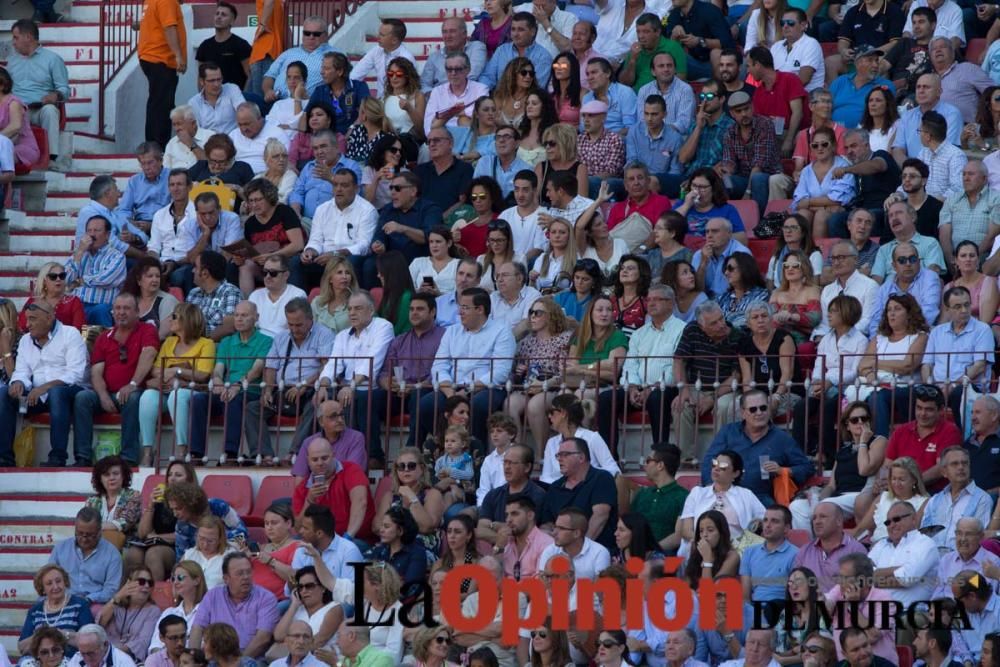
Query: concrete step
(33, 481)
(104, 163)
(12, 613)
(17, 563)
(16, 282)
(18, 592)
(77, 49)
(31, 533)
(79, 181)
(84, 69)
(88, 143)
(8, 637)
(66, 201)
(46, 220)
(76, 32)
(44, 240)
(19, 261)
(80, 106)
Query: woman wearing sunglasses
(801, 597)
(385, 161)
(553, 268)
(796, 301)
(50, 286)
(823, 188)
(796, 234)
(857, 461)
(312, 603)
(549, 648)
(517, 81)
(412, 490)
(188, 584)
(130, 617)
(56, 608)
(738, 504)
(470, 222)
(431, 646)
(818, 651)
(559, 142)
(47, 648)
(746, 287)
(612, 649)
(404, 101)
(119, 504)
(905, 482)
(821, 109)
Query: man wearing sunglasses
(906, 561)
(270, 299)
(457, 96)
(390, 36)
(798, 53)
(523, 30)
(315, 46)
(455, 39)
(703, 146)
(909, 278)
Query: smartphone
(319, 480)
(428, 281)
(255, 550)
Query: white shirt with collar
(309, 661)
(527, 233)
(251, 151)
(490, 475)
(63, 357)
(164, 237)
(741, 662)
(806, 52)
(351, 228)
(118, 659)
(561, 22)
(359, 354)
(600, 455)
(858, 285)
(587, 564)
(271, 314)
(850, 347)
(513, 314)
(375, 62)
(178, 156)
(915, 560)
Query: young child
(192, 657)
(454, 466)
(503, 432)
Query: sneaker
(53, 464)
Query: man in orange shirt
(268, 42)
(162, 57)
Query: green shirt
(644, 62)
(401, 318)
(370, 656)
(591, 356)
(238, 357)
(661, 505)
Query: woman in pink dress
(14, 123)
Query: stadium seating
(237, 490)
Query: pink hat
(594, 106)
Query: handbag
(769, 226)
(227, 198)
(24, 447)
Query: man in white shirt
(950, 21)
(94, 649)
(251, 135)
(565, 202)
(555, 26)
(570, 540)
(391, 34)
(529, 237)
(455, 39)
(216, 105)
(456, 96)
(342, 226)
(647, 362)
(186, 146)
(165, 241)
(299, 642)
(799, 53)
(513, 297)
(358, 351)
(847, 280)
(905, 562)
(51, 362)
(274, 295)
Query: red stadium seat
(163, 594)
(975, 51)
(237, 490)
(689, 481)
(829, 48)
(905, 656)
(749, 213)
(788, 166)
(799, 537)
(313, 293)
(762, 250)
(376, 293)
(177, 293)
(779, 205)
(149, 485)
(694, 243)
(272, 488)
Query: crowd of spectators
(573, 218)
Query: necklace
(45, 614)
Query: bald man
(341, 486)
(298, 641)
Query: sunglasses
(910, 259)
(395, 150)
(926, 391)
(860, 419)
(396, 75)
(407, 466)
(443, 640)
(819, 144)
(505, 135)
(706, 97)
(307, 586)
(541, 634)
(479, 196)
(549, 144)
(143, 581)
(178, 578)
(537, 312)
(398, 188)
(526, 72)
(789, 22)
(454, 70)
(721, 465)
(312, 33)
(56, 276)
(729, 269)
(754, 409)
(54, 651)
(792, 266)
(896, 519)
(273, 273)
(608, 643)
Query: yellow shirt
(202, 352)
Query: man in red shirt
(641, 199)
(924, 438)
(780, 96)
(341, 486)
(120, 363)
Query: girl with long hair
(554, 268)
(372, 125)
(567, 89)
(517, 81)
(436, 273)
(539, 115)
(880, 118)
(404, 102)
(682, 277)
(587, 282)
(712, 552)
(386, 160)
(499, 251)
(397, 290)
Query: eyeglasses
(143, 581)
(505, 135)
(541, 634)
(926, 391)
(308, 586)
(273, 273)
(396, 150)
(395, 74)
(312, 33)
(407, 466)
(455, 70)
(729, 269)
(526, 72)
(443, 640)
(896, 519)
(608, 643)
(178, 578)
(908, 259)
(562, 455)
(859, 419)
(819, 144)
(218, 163)
(789, 22)
(721, 465)
(549, 144)
(840, 258)
(47, 652)
(754, 409)
(399, 188)
(558, 527)
(56, 276)
(537, 312)
(792, 266)
(479, 196)
(707, 97)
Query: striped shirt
(945, 164)
(101, 274)
(705, 358)
(760, 151)
(74, 615)
(968, 221)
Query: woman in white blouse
(437, 272)
(821, 192)
(313, 604)
(738, 504)
(210, 549)
(566, 416)
(382, 609)
(904, 482)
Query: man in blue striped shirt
(96, 271)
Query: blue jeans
(699, 70)
(255, 83)
(59, 405)
(86, 404)
(182, 276)
(98, 314)
(233, 421)
(886, 404)
(381, 401)
(758, 184)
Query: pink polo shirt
(538, 541)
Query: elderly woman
(220, 163)
(190, 504)
(50, 286)
(430, 647)
(767, 355)
(118, 503)
(823, 189)
(130, 617)
(47, 648)
(560, 156)
(209, 550)
(335, 288)
(746, 287)
(186, 356)
(186, 147)
(273, 228)
(737, 504)
(55, 609)
(155, 306)
(278, 172)
(538, 366)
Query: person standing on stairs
(45, 12)
(230, 51)
(41, 80)
(163, 58)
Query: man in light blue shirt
(764, 568)
(455, 36)
(468, 274)
(523, 29)
(210, 228)
(146, 192)
(959, 500)
(621, 99)
(928, 97)
(677, 94)
(314, 47)
(654, 143)
(104, 199)
(41, 80)
(324, 549)
(503, 166)
(93, 564)
(959, 348)
(216, 103)
(474, 358)
(314, 185)
(920, 283)
(710, 262)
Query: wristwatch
(701, 42)
(548, 31)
